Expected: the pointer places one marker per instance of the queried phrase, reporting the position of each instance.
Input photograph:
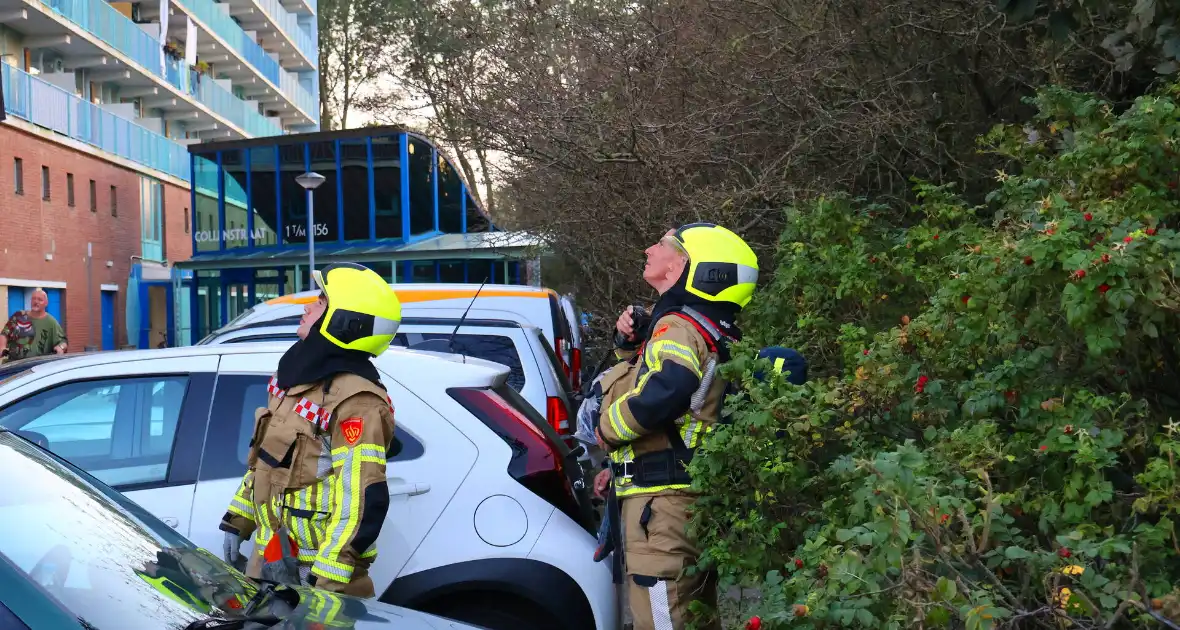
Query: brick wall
(178, 243)
(31, 227)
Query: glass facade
(383, 190)
(248, 198)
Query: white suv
(485, 523)
(535, 370)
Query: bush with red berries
(990, 435)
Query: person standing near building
(32, 333)
(660, 402)
(315, 495)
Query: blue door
(108, 320)
(54, 306)
(16, 301)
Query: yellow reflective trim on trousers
(630, 489)
(655, 352)
(314, 498)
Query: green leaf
(946, 589)
(1150, 329)
(1016, 553)
(843, 535)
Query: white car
(535, 370)
(544, 308)
(486, 521)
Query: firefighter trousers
(657, 549)
(361, 585)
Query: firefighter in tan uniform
(660, 402)
(315, 495)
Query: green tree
(352, 42)
(991, 435)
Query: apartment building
(101, 100)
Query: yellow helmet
(721, 266)
(363, 310)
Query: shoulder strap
(717, 341)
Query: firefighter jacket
(317, 465)
(659, 403)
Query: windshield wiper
(238, 623)
(214, 623)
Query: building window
(18, 175)
(151, 213)
(186, 220)
(70, 189)
(206, 180)
(93, 196)
(114, 202)
(45, 183)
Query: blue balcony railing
(289, 24)
(48, 106)
(304, 100)
(103, 21)
(206, 91)
(227, 29)
(106, 23)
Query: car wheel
(493, 611)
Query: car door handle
(171, 521)
(409, 489)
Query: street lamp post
(310, 181)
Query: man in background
(32, 333)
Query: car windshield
(240, 318)
(13, 369)
(101, 557)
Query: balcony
(297, 47)
(256, 62)
(48, 106)
(301, 7)
(206, 91)
(115, 31)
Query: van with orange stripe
(554, 314)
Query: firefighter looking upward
(660, 402)
(315, 495)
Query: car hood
(332, 609)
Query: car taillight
(576, 368)
(557, 415)
(536, 462)
(560, 352)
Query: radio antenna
(451, 342)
